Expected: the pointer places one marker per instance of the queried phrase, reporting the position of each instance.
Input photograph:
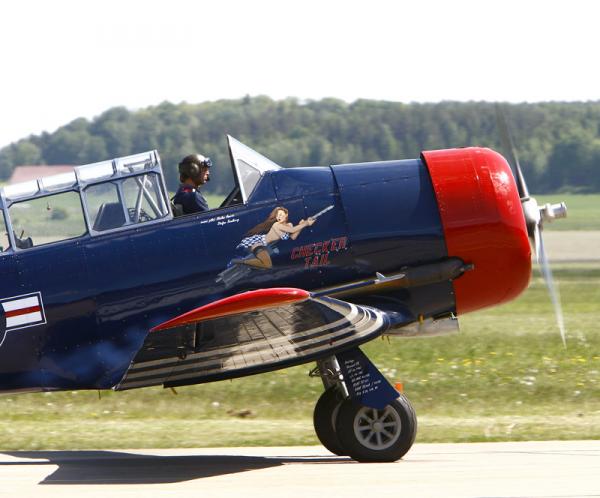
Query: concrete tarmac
(523, 469)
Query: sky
(64, 59)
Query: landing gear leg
(367, 427)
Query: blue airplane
(103, 287)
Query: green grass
(214, 200)
(505, 376)
(583, 211)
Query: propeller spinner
(535, 217)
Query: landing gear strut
(348, 428)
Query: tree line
(558, 143)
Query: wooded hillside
(558, 143)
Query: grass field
(583, 211)
(505, 376)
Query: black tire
(371, 435)
(324, 420)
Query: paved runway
(535, 469)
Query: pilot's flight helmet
(191, 166)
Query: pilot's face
(281, 216)
(204, 175)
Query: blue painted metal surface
(391, 211)
(102, 294)
(366, 384)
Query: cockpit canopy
(94, 198)
(248, 166)
(107, 196)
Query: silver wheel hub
(377, 429)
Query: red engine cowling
(483, 224)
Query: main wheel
(324, 420)
(371, 435)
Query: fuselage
(101, 294)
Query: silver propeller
(535, 217)
(552, 289)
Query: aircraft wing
(250, 333)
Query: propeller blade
(509, 147)
(537, 236)
(552, 288)
(534, 218)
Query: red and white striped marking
(23, 311)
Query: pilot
(194, 171)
